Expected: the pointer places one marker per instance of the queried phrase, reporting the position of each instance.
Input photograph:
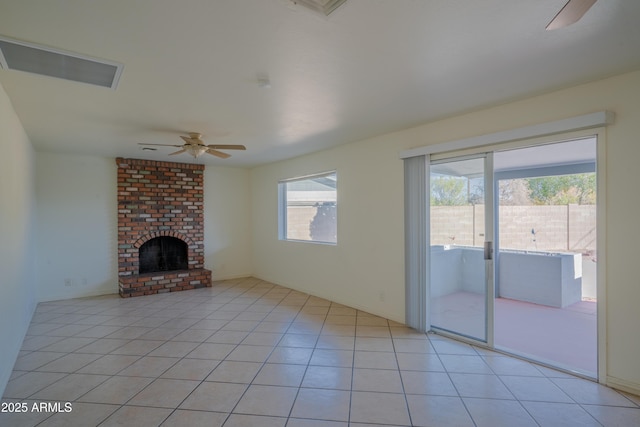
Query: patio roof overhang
(570, 157)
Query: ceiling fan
(571, 13)
(195, 146)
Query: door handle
(488, 250)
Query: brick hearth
(160, 199)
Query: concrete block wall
(557, 228)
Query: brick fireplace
(161, 222)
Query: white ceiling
(371, 67)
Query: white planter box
(553, 279)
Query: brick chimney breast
(158, 199)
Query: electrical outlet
(382, 296)
(68, 282)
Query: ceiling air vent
(32, 58)
(324, 7)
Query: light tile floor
(250, 353)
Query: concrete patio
(563, 337)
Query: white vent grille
(31, 58)
(324, 7)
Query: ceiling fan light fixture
(195, 146)
(196, 150)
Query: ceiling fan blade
(161, 145)
(177, 152)
(218, 153)
(570, 13)
(227, 147)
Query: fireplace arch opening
(164, 253)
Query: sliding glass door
(538, 233)
(461, 228)
(545, 285)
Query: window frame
(283, 207)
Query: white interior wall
(367, 263)
(366, 268)
(77, 226)
(227, 231)
(17, 222)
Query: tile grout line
(446, 371)
(239, 297)
(266, 358)
(168, 368)
(395, 355)
(308, 362)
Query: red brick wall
(160, 199)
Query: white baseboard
(623, 385)
(352, 304)
(82, 294)
(216, 278)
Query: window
(308, 208)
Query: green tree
(448, 191)
(563, 189)
(513, 192)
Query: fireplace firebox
(164, 253)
